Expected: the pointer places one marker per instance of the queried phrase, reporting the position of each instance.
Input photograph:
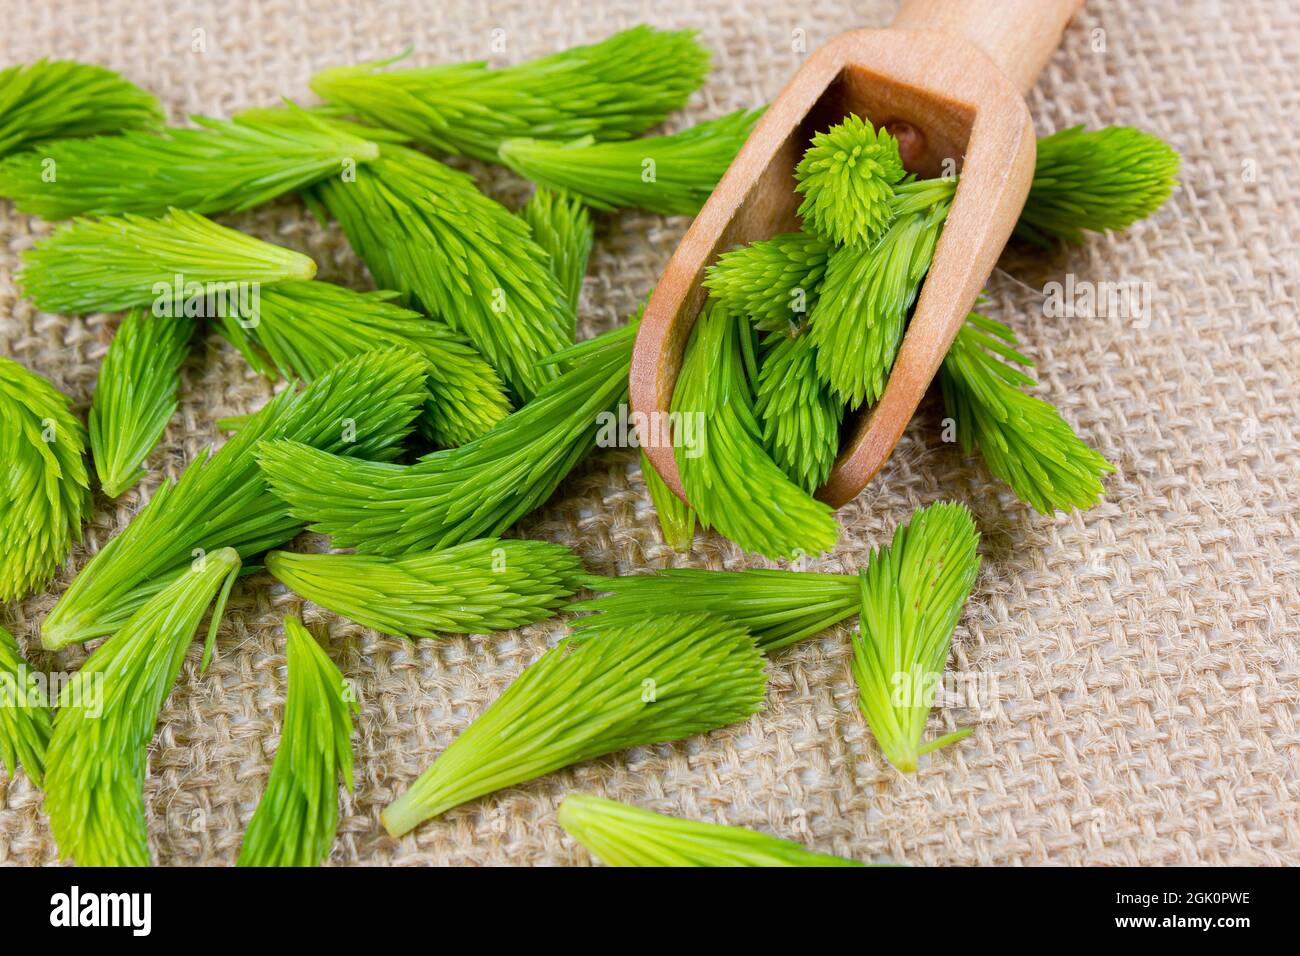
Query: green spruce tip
(365, 406)
(614, 89)
(44, 487)
(676, 517)
(671, 175)
(733, 485)
(562, 226)
(662, 678)
(427, 231)
(223, 166)
(475, 491)
(297, 818)
(170, 264)
(621, 835)
(775, 282)
(304, 329)
(913, 591)
(135, 395)
(778, 607)
(847, 177)
(801, 418)
(25, 716)
(94, 778)
(1099, 180)
(477, 587)
(58, 99)
(1023, 440)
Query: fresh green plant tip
(800, 416)
(561, 225)
(365, 406)
(94, 779)
(25, 717)
(44, 488)
(135, 396)
(225, 165)
(657, 679)
(58, 99)
(473, 588)
(913, 591)
(620, 835)
(614, 89)
(1023, 440)
(671, 175)
(676, 517)
(775, 282)
(174, 265)
(298, 816)
(847, 178)
(777, 607)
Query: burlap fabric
(1141, 658)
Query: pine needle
(306, 328)
(117, 262)
(913, 591)
(363, 407)
(1104, 179)
(621, 835)
(473, 588)
(562, 226)
(732, 484)
(135, 396)
(614, 89)
(475, 491)
(676, 517)
(864, 299)
(774, 281)
(94, 780)
(660, 679)
(25, 718)
(44, 488)
(298, 816)
(57, 99)
(777, 607)
(1023, 440)
(225, 165)
(425, 230)
(671, 175)
(847, 177)
(801, 418)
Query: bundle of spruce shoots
(418, 423)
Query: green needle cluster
(777, 607)
(561, 225)
(614, 89)
(44, 488)
(657, 679)
(913, 591)
(1023, 440)
(472, 588)
(847, 178)
(25, 717)
(222, 166)
(94, 778)
(732, 483)
(306, 328)
(458, 494)
(364, 407)
(627, 836)
(774, 282)
(135, 395)
(298, 816)
(427, 231)
(671, 175)
(676, 517)
(116, 262)
(800, 416)
(57, 99)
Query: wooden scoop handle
(1018, 35)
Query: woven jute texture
(1135, 666)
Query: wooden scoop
(948, 80)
